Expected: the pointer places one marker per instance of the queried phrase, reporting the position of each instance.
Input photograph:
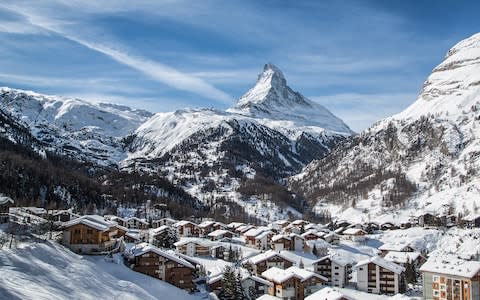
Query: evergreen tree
(166, 239)
(410, 272)
(300, 264)
(315, 250)
(231, 285)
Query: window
(336, 268)
(336, 273)
(89, 231)
(435, 278)
(361, 269)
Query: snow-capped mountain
(84, 130)
(425, 158)
(276, 105)
(272, 130)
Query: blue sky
(363, 60)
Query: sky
(363, 60)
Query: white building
(379, 276)
(337, 269)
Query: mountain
(73, 127)
(230, 160)
(424, 159)
(271, 133)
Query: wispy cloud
(153, 69)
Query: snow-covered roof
(183, 223)
(382, 263)
(165, 219)
(160, 229)
(281, 222)
(354, 231)
(4, 200)
(255, 231)
(336, 258)
(394, 247)
(451, 265)
(198, 241)
(94, 221)
(327, 293)
(258, 279)
(402, 257)
(218, 232)
(471, 218)
(235, 224)
(312, 231)
(318, 244)
(205, 224)
(143, 248)
(266, 256)
(263, 234)
(137, 219)
(279, 237)
(268, 297)
(294, 235)
(278, 275)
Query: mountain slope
(86, 131)
(426, 158)
(214, 153)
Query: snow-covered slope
(90, 131)
(272, 130)
(50, 271)
(426, 158)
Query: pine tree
(315, 250)
(231, 285)
(300, 264)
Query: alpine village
(274, 197)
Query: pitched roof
(339, 260)
(94, 221)
(394, 247)
(201, 242)
(382, 263)
(266, 256)
(143, 248)
(258, 279)
(451, 265)
(327, 293)
(354, 231)
(402, 257)
(279, 237)
(278, 275)
(218, 232)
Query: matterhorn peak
(271, 98)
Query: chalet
(450, 278)
(388, 226)
(254, 285)
(281, 242)
(328, 293)
(312, 234)
(472, 221)
(355, 234)
(91, 234)
(317, 247)
(194, 247)
(344, 224)
(219, 251)
(214, 282)
(119, 220)
(397, 247)
(336, 269)
(402, 258)
(205, 228)
(428, 219)
(131, 238)
(292, 229)
(252, 233)
(332, 238)
(5, 203)
(379, 276)
(165, 266)
(163, 222)
(136, 223)
(62, 216)
(298, 242)
(243, 228)
(293, 283)
(234, 225)
(266, 260)
(263, 240)
(280, 224)
(372, 226)
(187, 229)
(220, 234)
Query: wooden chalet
(168, 267)
(293, 282)
(266, 260)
